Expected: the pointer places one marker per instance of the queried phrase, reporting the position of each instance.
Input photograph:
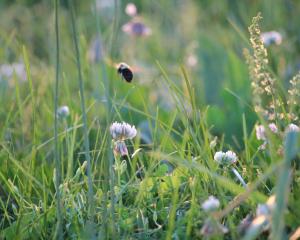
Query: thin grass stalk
(59, 230)
(84, 116)
(114, 35)
(108, 109)
(172, 215)
(32, 96)
(109, 116)
(193, 186)
(245, 138)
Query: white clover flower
(63, 111)
(267, 208)
(130, 9)
(293, 128)
(262, 209)
(122, 131)
(230, 157)
(260, 132)
(273, 127)
(8, 71)
(210, 204)
(219, 157)
(191, 60)
(272, 37)
(225, 158)
(264, 214)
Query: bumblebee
(125, 71)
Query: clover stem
(236, 173)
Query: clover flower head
(191, 60)
(260, 132)
(136, 27)
(266, 208)
(219, 156)
(272, 37)
(211, 204)
(8, 70)
(293, 128)
(225, 158)
(264, 213)
(122, 131)
(262, 209)
(273, 127)
(130, 9)
(63, 112)
(230, 156)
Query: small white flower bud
(130, 9)
(273, 127)
(260, 132)
(210, 204)
(63, 112)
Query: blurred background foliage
(210, 33)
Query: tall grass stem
(59, 230)
(84, 116)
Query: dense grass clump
(203, 143)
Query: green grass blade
(282, 189)
(84, 116)
(59, 224)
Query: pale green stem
(59, 230)
(236, 173)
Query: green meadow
(201, 142)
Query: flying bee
(125, 71)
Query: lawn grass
(191, 96)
